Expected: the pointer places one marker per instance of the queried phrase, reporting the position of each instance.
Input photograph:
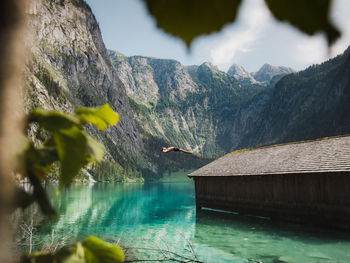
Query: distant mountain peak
(114, 52)
(238, 70)
(208, 64)
(239, 73)
(267, 72)
(267, 66)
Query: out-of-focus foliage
(67, 144)
(311, 16)
(91, 250)
(100, 117)
(190, 19)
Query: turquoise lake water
(163, 215)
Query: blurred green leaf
(72, 152)
(68, 144)
(95, 150)
(101, 252)
(310, 16)
(39, 160)
(75, 254)
(41, 197)
(189, 19)
(91, 250)
(53, 120)
(100, 117)
(47, 155)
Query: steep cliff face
(220, 112)
(70, 67)
(147, 80)
(309, 104)
(162, 102)
(160, 91)
(189, 106)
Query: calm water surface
(163, 214)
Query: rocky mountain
(70, 67)
(239, 73)
(310, 104)
(188, 106)
(161, 102)
(227, 113)
(267, 72)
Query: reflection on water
(150, 215)
(264, 240)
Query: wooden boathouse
(306, 182)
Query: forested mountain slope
(69, 67)
(309, 104)
(193, 107)
(218, 112)
(162, 102)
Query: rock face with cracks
(191, 106)
(70, 67)
(162, 102)
(212, 112)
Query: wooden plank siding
(299, 181)
(316, 198)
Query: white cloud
(253, 17)
(340, 15)
(311, 50)
(258, 38)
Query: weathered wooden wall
(319, 198)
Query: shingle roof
(323, 155)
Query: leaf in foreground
(71, 149)
(189, 19)
(53, 120)
(94, 149)
(91, 250)
(100, 251)
(310, 16)
(101, 117)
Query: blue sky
(256, 38)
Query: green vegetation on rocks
(198, 108)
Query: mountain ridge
(309, 104)
(267, 72)
(162, 102)
(230, 119)
(191, 103)
(70, 67)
